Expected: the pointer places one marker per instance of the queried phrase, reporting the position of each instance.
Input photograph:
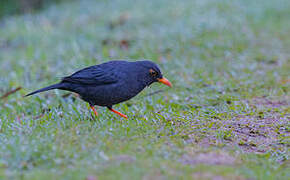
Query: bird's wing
(93, 75)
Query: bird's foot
(120, 114)
(94, 110)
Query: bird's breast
(107, 95)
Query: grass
(226, 117)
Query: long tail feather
(54, 86)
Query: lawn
(226, 117)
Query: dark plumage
(110, 83)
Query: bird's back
(105, 84)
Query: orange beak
(165, 81)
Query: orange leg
(95, 112)
(120, 114)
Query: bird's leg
(120, 114)
(95, 112)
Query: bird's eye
(153, 73)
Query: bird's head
(151, 73)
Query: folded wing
(93, 75)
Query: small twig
(10, 92)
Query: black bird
(110, 83)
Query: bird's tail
(54, 86)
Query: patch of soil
(257, 135)
(210, 158)
(156, 175)
(91, 177)
(261, 101)
(209, 176)
(264, 130)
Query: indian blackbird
(110, 83)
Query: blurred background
(227, 116)
(12, 7)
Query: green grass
(227, 115)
